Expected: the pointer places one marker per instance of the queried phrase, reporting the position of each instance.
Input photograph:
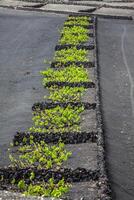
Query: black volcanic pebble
(90, 26)
(88, 46)
(67, 137)
(86, 64)
(76, 84)
(76, 175)
(49, 105)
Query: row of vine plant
(40, 155)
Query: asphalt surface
(26, 39)
(116, 58)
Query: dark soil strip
(90, 34)
(62, 65)
(87, 126)
(47, 105)
(89, 46)
(77, 84)
(77, 175)
(88, 10)
(67, 138)
(84, 26)
(90, 20)
(39, 5)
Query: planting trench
(85, 168)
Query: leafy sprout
(40, 155)
(71, 55)
(82, 18)
(49, 189)
(70, 74)
(77, 21)
(66, 94)
(57, 119)
(75, 30)
(74, 39)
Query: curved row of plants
(38, 155)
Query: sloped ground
(26, 39)
(119, 134)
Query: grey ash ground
(26, 39)
(21, 87)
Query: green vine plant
(73, 39)
(74, 30)
(70, 74)
(71, 55)
(40, 155)
(43, 189)
(81, 18)
(66, 94)
(51, 188)
(77, 21)
(57, 119)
